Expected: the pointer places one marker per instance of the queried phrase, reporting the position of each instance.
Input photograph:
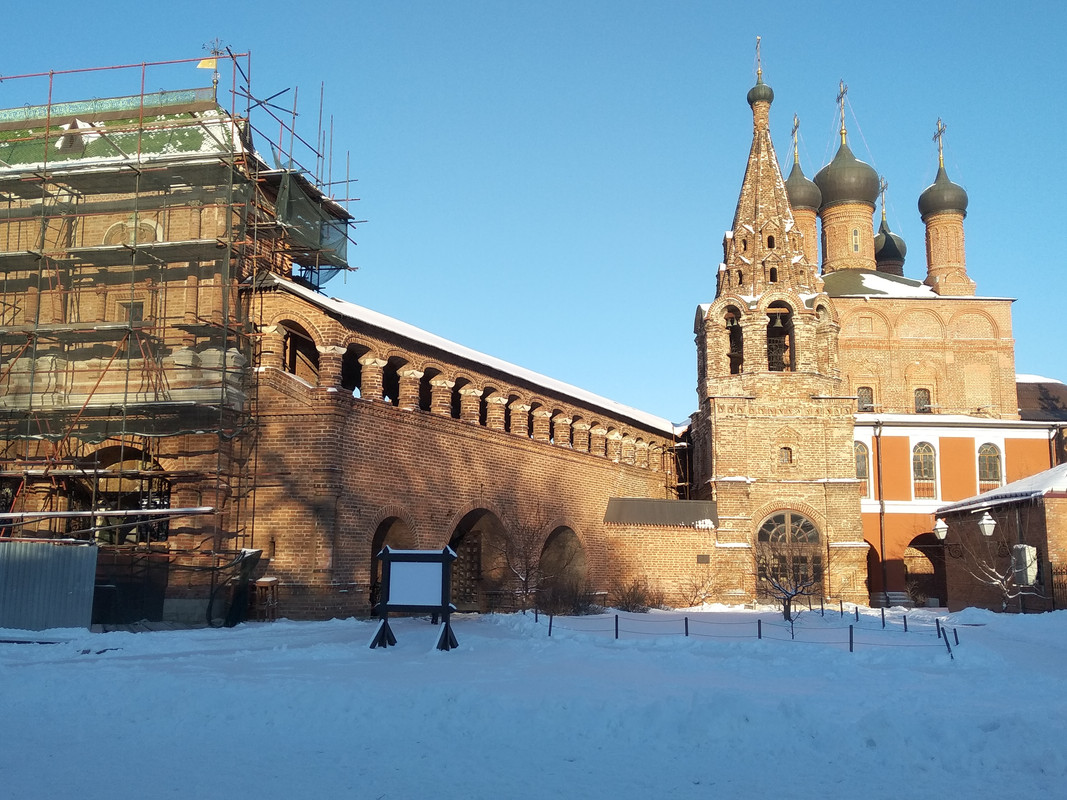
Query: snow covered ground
(297, 710)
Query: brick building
(841, 398)
(1006, 549)
(175, 386)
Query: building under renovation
(128, 226)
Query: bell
(777, 321)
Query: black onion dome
(846, 179)
(888, 247)
(760, 92)
(941, 196)
(802, 192)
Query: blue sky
(549, 182)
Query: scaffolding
(127, 349)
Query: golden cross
(841, 102)
(939, 137)
(796, 128)
(759, 65)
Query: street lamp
(940, 530)
(986, 524)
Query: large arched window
(789, 557)
(863, 470)
(989, 468)
(924, 470)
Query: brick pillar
(470, 404)
(330, 357)
(561, 430)
(272, 347)
(614, 445)
(641, 457)
(542, 425)
(581, 436)
(494, 411)
(520, 418)
(806, 353)
(597, 441)
(627, 453)
(655, 458)
(370, 384)
(754, 341)
(441, 396)
(409, 389)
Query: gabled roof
(1051, 480)
(1042, 399)
(357, 313)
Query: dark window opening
(780, 342)
(865, 398)
(736, 353)
(922, 401)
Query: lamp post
(940, 530)
(986, 524)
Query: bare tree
(519, 551)
(790, 560)
(1012, 570)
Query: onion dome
(888, 247)
(846, 179)
(802, 192)
(761, 92)
(942, 196)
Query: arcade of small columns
(463, 395)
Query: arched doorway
(397, 534)
(132, 569)
(479, 568)
(924, 569)
(563, 560)
(122, 479)
(875, 584)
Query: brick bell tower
(773, 437)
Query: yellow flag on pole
(207, 63)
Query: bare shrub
(696, 588)
(562, 597)
(635, 596)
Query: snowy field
(300, 710)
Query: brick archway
(478, 572)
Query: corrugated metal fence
(46, 584)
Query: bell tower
(773, 435)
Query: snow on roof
(1051, 480)
(353, 311)
(879, 284)
(1025, 378)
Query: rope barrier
(825, 635)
